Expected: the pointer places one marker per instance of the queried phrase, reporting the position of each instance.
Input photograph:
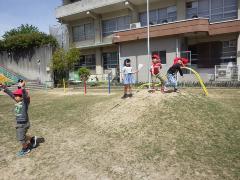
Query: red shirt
(155, 68)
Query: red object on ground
(85, 87)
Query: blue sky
(39, 13)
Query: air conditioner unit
(135, 25)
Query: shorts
(158, 77)
(21, 131)
(128, 79)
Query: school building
(108, 31)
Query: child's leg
(21, 130)
(175, 84)
(125, 91)
(153, 81)
(162, 81)
(130, 89)
(172, 80)
(168, 82)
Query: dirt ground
(150, 136)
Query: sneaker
(165, 89)
(124, 96)
(33, 141)
(130, 95)
(176, 90)
(23, 152)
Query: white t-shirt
(127, 70)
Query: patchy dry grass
(152, 136)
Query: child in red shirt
(155, 72)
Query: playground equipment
(199, 79)
(64, 86)
(4, 80)
(109, 83)
(191, 70)
(8, 77)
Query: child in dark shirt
(20, 96)
(173, 70)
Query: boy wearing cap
(22, 120)
(155, 72)
(173, 70)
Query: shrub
(84, 73)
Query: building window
(159, 16)
(83, 32)
(88, 61)
(162, 55)
(192, 9)
(215, 10)
(116, 24)
(110, 60)
(229, 51)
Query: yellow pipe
(147, 84)
(199, 79)
(64, 86)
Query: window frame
(213, 12)
(85, 34)
(116, 25)
(90, 66)
(158, 19)
(108, 64)
(158, 52)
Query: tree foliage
(23, 29)
(25, 37)
(63, 61)
(84, 73)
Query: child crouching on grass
(22, 120)
(128, 78)
(172, 72)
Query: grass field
(151, 136)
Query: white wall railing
(228, 72)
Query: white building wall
(137, 52)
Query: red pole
(85, 88)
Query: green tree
(25, 37)
(1, 45)
(23, 29)
(63, 61)
(84, 73)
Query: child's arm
(160, 66)
(135, 72)
(122, 73)
(24, 92)
(180, 70)
(7, 91)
